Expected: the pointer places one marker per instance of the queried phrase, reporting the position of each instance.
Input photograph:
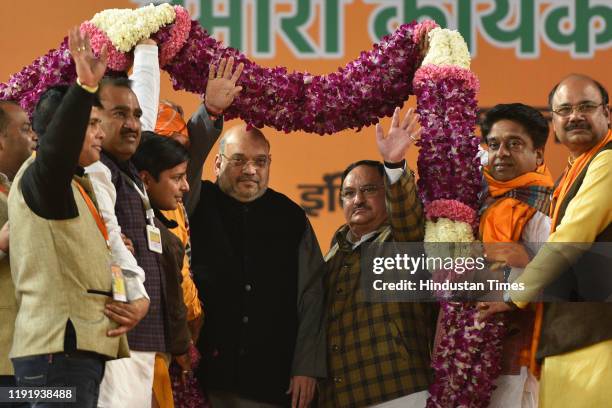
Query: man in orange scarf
(575, 343)
(513, 222)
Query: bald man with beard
(256, 264)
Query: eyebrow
(579, 103)
(125, 108)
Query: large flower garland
(356, 95)
(468, 357)
(371, 86)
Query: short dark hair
(4, 118)
(47, 105)
(119, 82)
(158, 153)
(605, 99)
(530, 118)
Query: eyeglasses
(259, 162)
(369, 190)
(585, 108)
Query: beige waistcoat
(56, 264)
(8, 304)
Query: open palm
(221, 88)
(401, 136)
(89, 68)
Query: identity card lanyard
(153, 233)
(118, 282)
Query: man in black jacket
(256, 262)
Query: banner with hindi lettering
(520, 49)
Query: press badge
(154, 239)
(119, 292)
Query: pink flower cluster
(453, 210)
(178, 32)
(466, 360)
(117, 60)
(447, 164)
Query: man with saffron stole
(514, 222)
(575, 339)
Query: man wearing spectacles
(257, 266)
(377, 352)
(575, 345)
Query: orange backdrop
(520, 49)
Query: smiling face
(94, 136)
(511, 151)
(579, 131)
(121, 121)
(167, 192)
(363, 201)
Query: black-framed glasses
(239, 161)
(368, 190)
(585, 108)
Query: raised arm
(146, 81)
(204, 129)
(403, 204)
(46, 183)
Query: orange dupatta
(504, 221)
(569, 176)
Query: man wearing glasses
(376, 352)
(257, 266)
(575, 344)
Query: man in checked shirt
(378, 353)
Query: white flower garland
(447, 47)
(125, 27)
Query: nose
(359, 197)
(503, 150)
(132, 123)
(184, 185)
(249, 168)
(100, 133)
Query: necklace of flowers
(467, 359)
(354, 96)
(357, 95)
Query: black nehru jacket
(245, 264)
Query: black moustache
(578, 126)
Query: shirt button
(245, 319)
(337, 380)
(335, 348)
(248, 287)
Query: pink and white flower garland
(355, 96)
(468, 357)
